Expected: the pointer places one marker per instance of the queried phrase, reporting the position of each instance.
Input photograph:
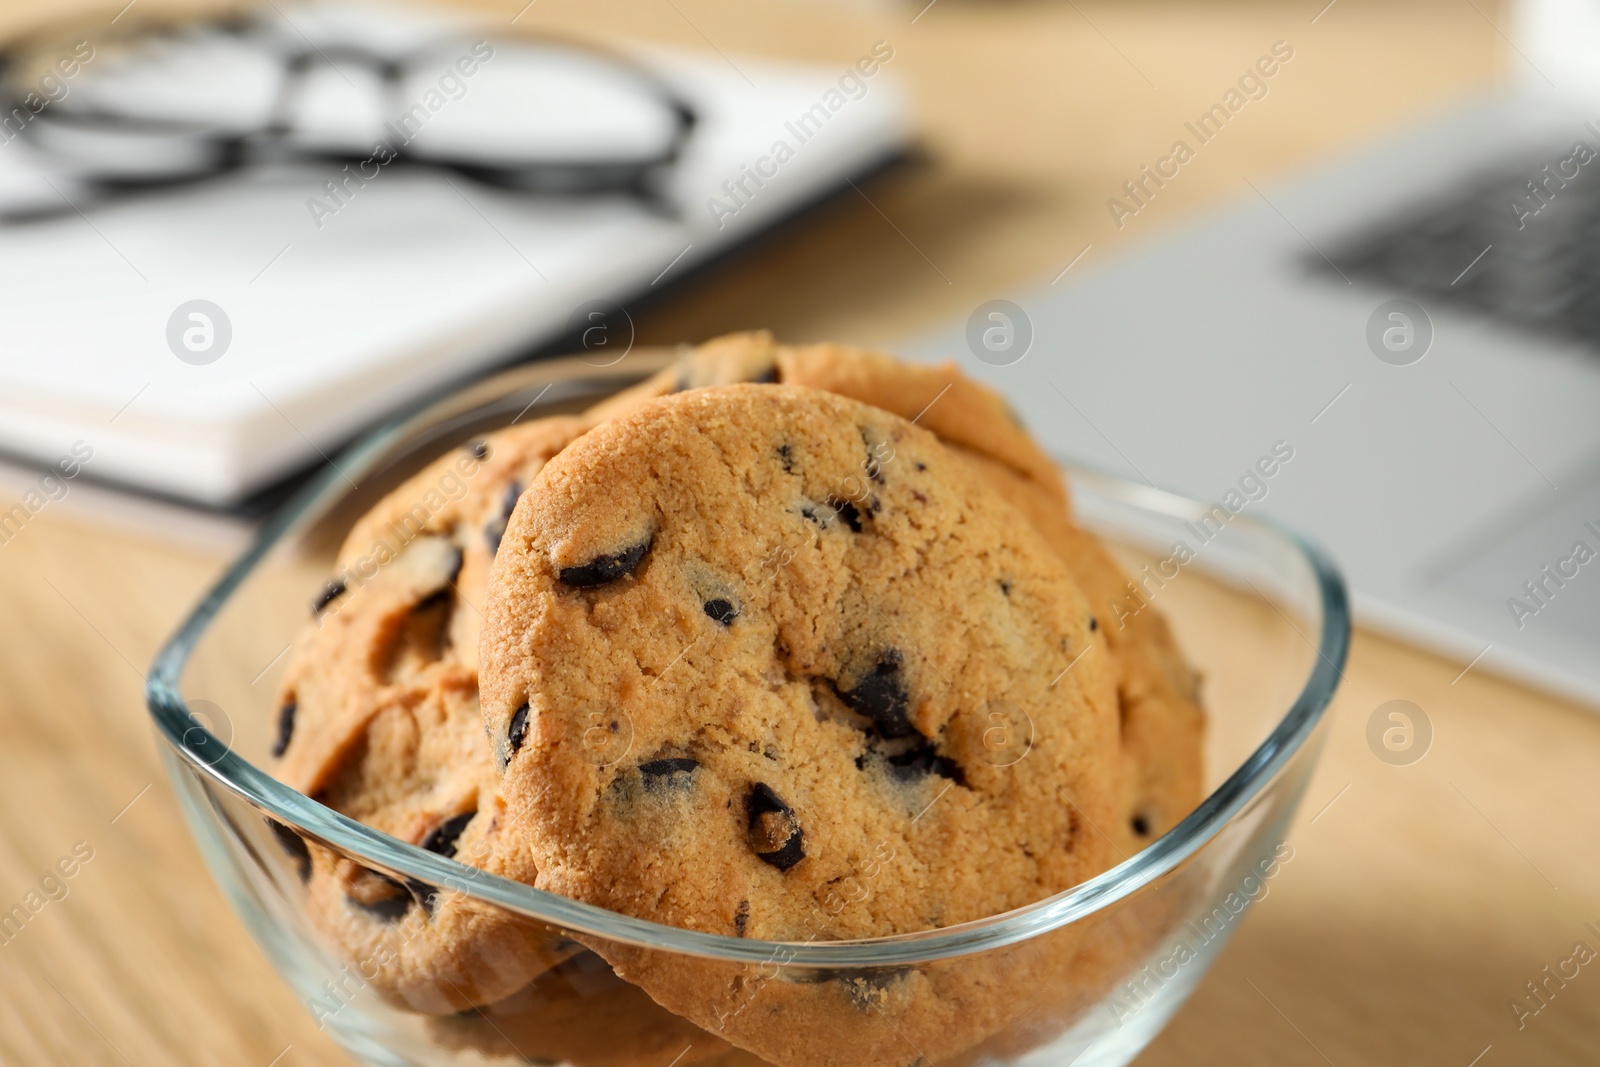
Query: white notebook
(415, 280)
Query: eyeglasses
(143, 104)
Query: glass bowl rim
(192, 741)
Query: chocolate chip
(741, 918)
(847, 511)
(921, 466)
(1005, 586)
(295, 846)
(442, 838)
(867, 989)
(495, 530)
(667, 773)
(603, 569)
(333, 590)
(919, 762)
(387, 906)
(774, 834)
(280, 744)
(439, 598)
(786, 457)
(518, 731)
(880, 695)
(721, 611)
(669, 765)
(424, 894)
(479, 449)
(1094, 624)
(766, 377)
(1141, 825)
(425, 635)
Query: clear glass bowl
(1086, 977)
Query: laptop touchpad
(1542, 576)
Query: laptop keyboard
(1520, 243)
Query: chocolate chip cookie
(938, 397)
(380, 720)
(1161, 723)
(580, 1014)
(766, 661)
(1161, 727)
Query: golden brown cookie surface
(580, 1014)
(938, 397)
(1162, 725)
(381, 722)
(812, 669)
(766, 662)
(405, 745)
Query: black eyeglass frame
(218, 151)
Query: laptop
(1408, 339)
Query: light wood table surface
(1422, 898)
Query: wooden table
(1422, 898)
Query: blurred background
(234, 238)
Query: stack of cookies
(786, 643)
